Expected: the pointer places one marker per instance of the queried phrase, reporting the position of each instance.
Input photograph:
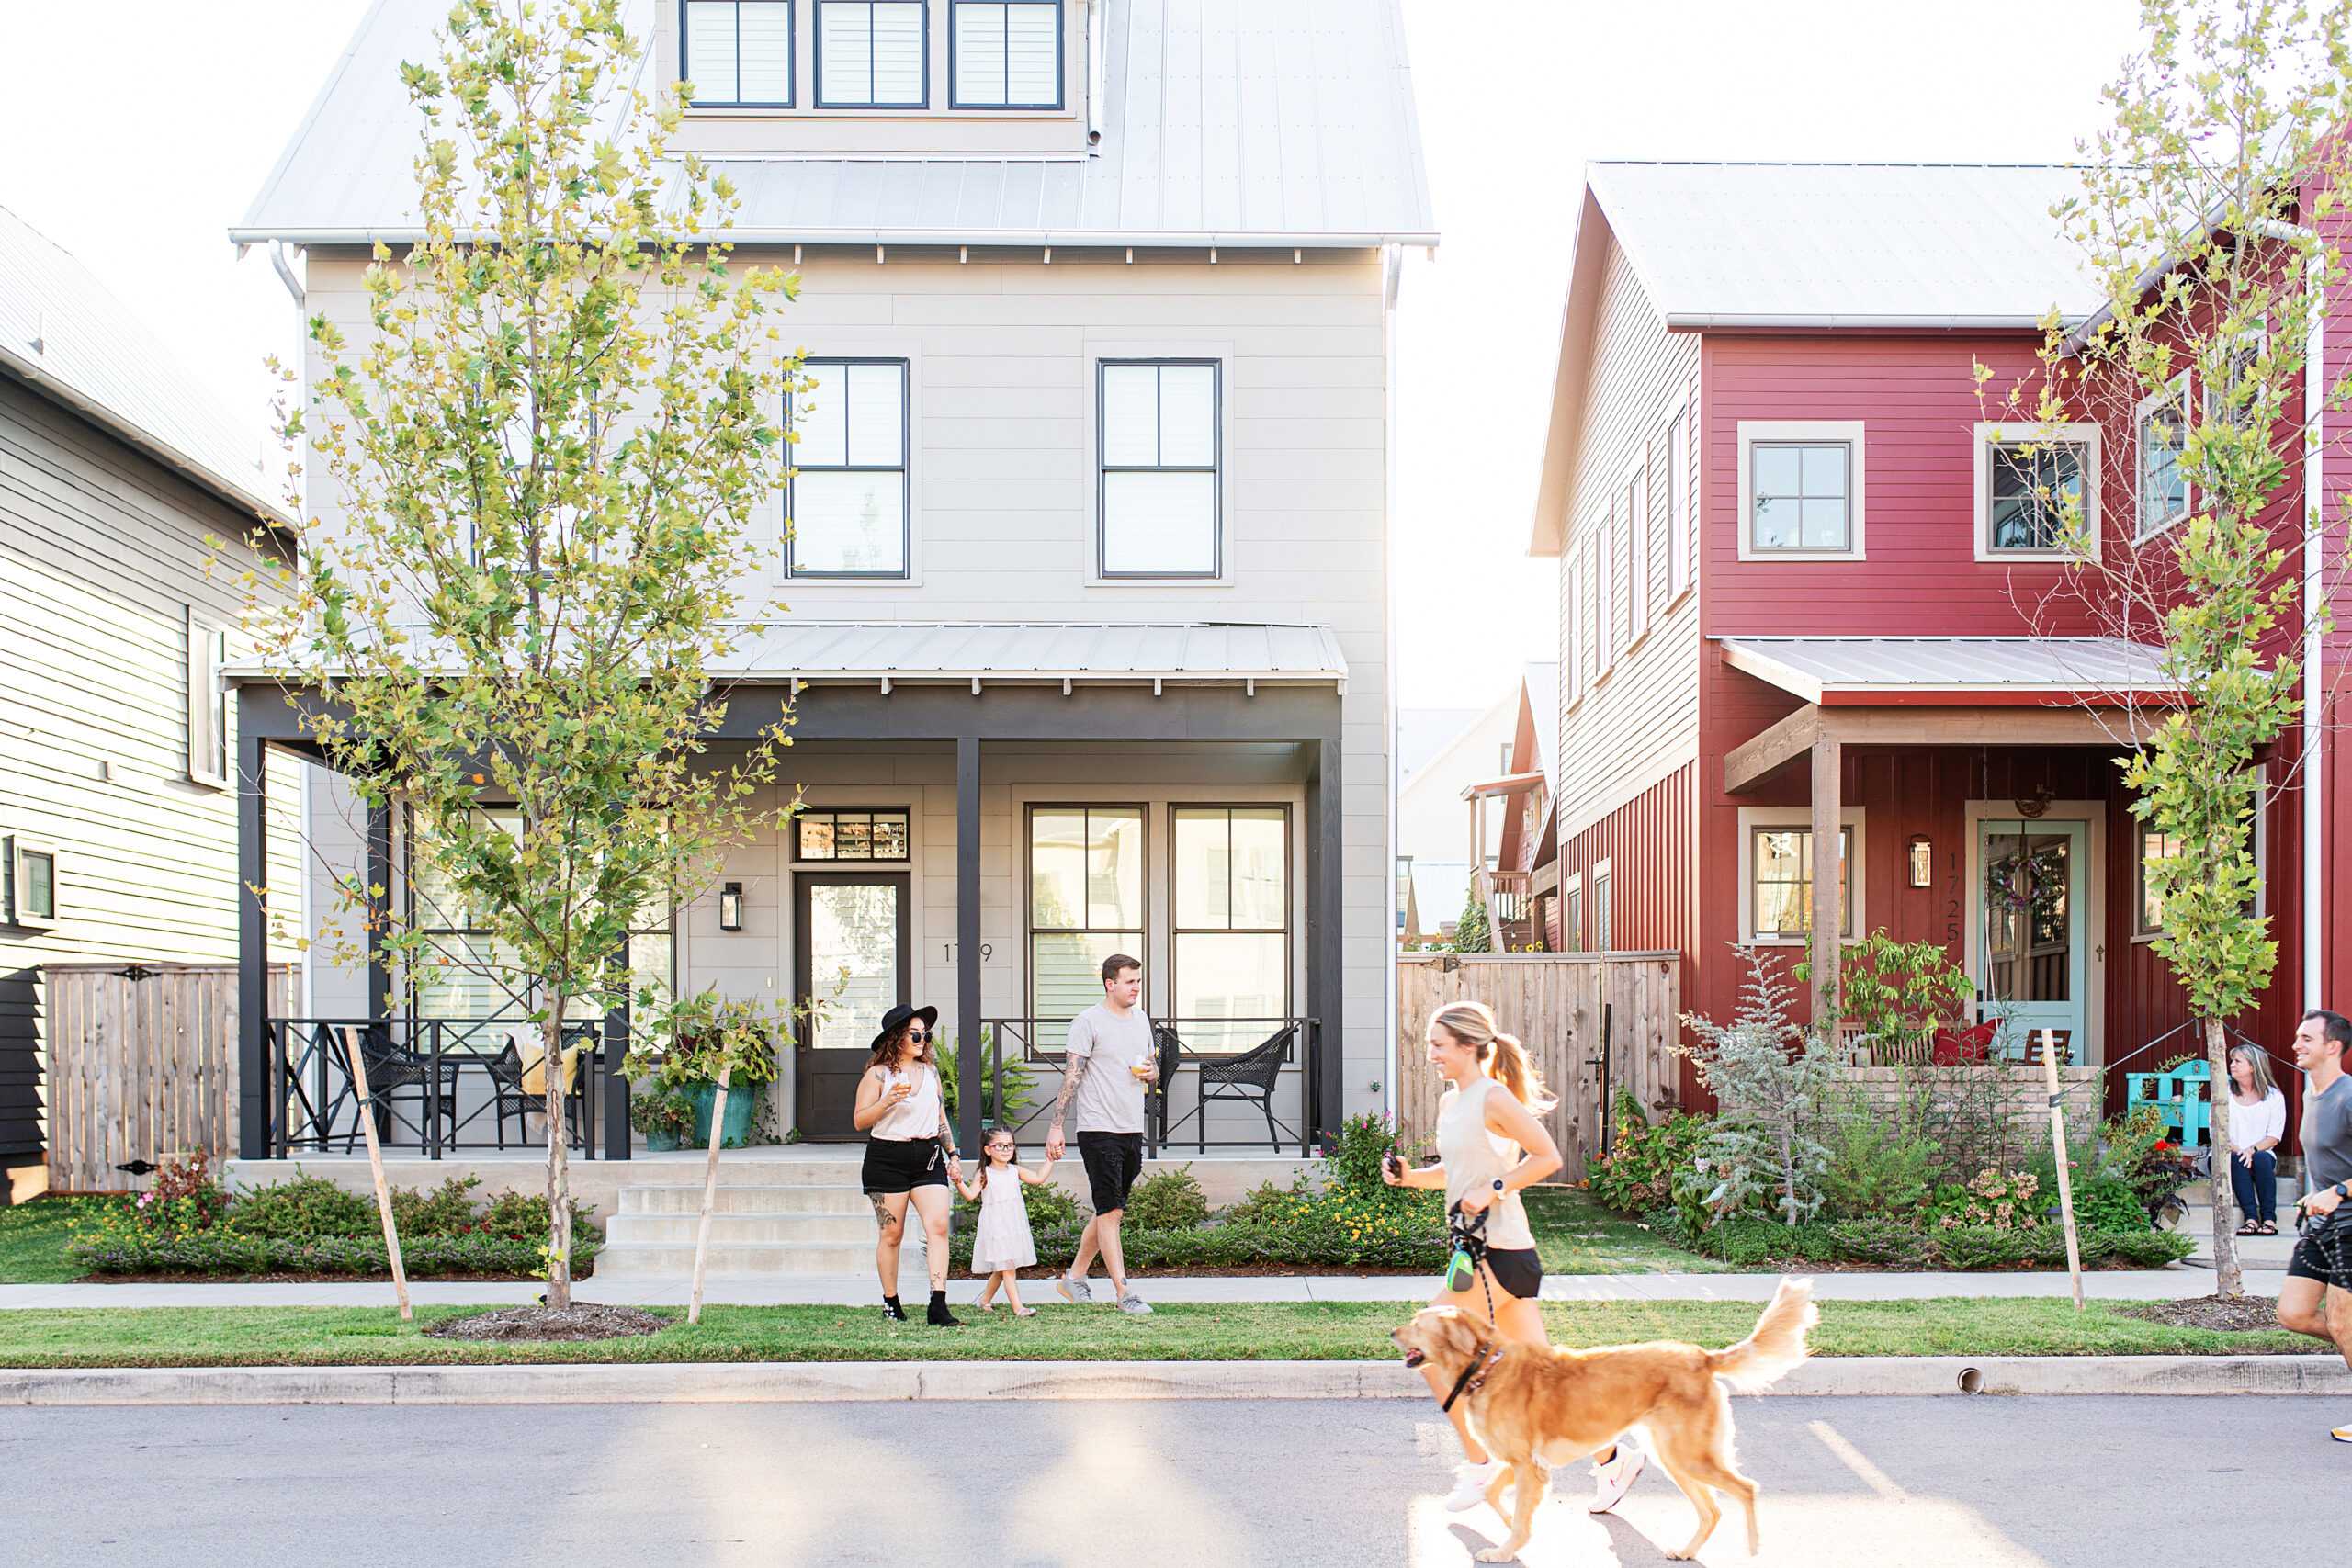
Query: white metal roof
(1847, 244)
(1267, 122)
(1895, 668)
(62, 333)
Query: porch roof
(1958, 672)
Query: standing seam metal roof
(1811, 665)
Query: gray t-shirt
(2327, 1136)
(1110, 1097)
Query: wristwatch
(2342, 1192)
(1503, 1190)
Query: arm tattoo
(1073, 1070)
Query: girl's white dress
(1002, 1239)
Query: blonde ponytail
(1505, 1059)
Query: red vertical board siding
(1647, 843)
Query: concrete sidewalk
(2157, 1284)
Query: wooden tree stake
(710, 1188)
(2065, 1178)
(375, 1163)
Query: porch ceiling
(1815, 725)
(1953, 671)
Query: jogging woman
(910, 1153)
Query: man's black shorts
(1114, 1160)
(2311, 1260)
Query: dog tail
(1773, 1350)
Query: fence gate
(1593, 1022)
(142, 1064)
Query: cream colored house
(1087, 572)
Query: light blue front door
(2031, 933)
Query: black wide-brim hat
(899, 1018)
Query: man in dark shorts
(1104, 1076)
(2320, 1275)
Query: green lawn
(1576, 1235)
(123, 1336)
(32, 1241)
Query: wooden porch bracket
(1746, 764)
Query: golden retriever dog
(1533, 1406)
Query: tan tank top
(1474, 1158)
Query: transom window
(1801, 496)
(2032, 486)
(1781, 882)
(1007, 55)
(847, 500)
(738, 53)
(2163, 431)
(1086, 902)
(1160, 450)
(870, 54)
(850, 835)
(1232, 933)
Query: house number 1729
(948, 951)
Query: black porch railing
(1256, 1069)
(432, 1083)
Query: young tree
(2209, 216)
(1770, 1078)
(550, 449)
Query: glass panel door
(2029, 929)
(852, 966)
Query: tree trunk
(2227, 1280)
(559, 1173)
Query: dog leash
(1474, 1376)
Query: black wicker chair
(506, 1074)
(1168, 1052)
(1248, 1076)
(391, 1071)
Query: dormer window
(1006, 54)
(870, 54)
(738, 53)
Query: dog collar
(1474, 1376)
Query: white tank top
(1473, 1157)
(918, 1115)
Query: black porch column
(613, 1091)
(1325, 983)
(379, 908)
(252, 938)
(968, 1068)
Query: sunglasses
(918, 1035)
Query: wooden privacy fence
(142, 1064)
(1593, 1022)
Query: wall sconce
(730, 907)
(1923, 861)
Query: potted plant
(687, 1045)
(664, 1120)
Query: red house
(1801, 596)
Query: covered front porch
(985, 813)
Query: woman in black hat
(910, 1152)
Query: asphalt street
(1985, 1483)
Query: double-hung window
(30, 869)
(1006, 54)
(1160, 474)
(2162, 427)
(1231, 952)
(738, 53)
(1603, 889)
(871, 54)
(1677, 502)
(2029, 478)
(2232, 396)
(2155, 845)
(1637, 554)
(847, 498)
(1086, 902)
(207, 703)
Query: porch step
(686, 1198)
(668, 1260)
(729, 1227)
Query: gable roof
(1928, 247)
(64, 334)
(1275, 122)
(1541, 683)
(1423, 733)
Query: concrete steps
(683, 1198)
(811, 1220)
(729, 1226)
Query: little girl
(1001, 1245)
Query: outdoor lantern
(1923, 861)
(730, 907)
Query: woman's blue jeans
(2257, 1189)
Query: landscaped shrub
(2107, 1203)
(1881, 1164)
(1635, 1175)
(1168, 1201)
(1265, 1204)
(306, 1206)
(1973, 1246)
(1353, 1158)
(225, 1251)
(1769, 1077)
(1991, 1198)
(446, 1210)
(1883, 1243)
(2148, 1248)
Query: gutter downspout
(2314, 542)
(1392, 268)
(1097, 68)
(285, 276)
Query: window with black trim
(1005, 54)
(854, 835)
(738, 53)
(2031, 487)
(1086, 902)
(31, 868)
(846, 502)
(2155, 845)
(1231, 956)
(2162, 427)
(872, 55)
(1157, 484)
(1781, 882)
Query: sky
(142, 181)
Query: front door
(2029, 935)
(851, 966)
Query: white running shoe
(1610, 1481)
(1470, 1484)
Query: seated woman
(2257, 1122)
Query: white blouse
(2249, 1124)
(918, 1115)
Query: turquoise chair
(2182, 1094)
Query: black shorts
(2305, 1263)
(1519, 1272)
(1113, 1161)
(902, 1164)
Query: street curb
(771, 1383)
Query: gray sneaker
(1135, 1305)
(1074, 1290)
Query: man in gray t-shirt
(2313, 1299)
(1110, 1063)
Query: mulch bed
(581, 1320)
(2229, 1315)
